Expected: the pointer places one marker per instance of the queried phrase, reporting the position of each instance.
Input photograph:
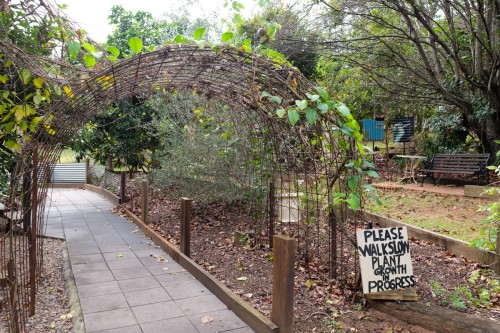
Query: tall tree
(444, 50)
(287, 29)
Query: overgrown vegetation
(479, 290)
(205, 153)
(491, 233)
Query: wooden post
(122, 187)
(144, 201)
(12, 279)
(186, 216)
(496, 268)
(271, 214)
(283, 282)
(87, 171)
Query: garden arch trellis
(228, 74)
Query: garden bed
(320, 305)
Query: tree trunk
(109, 163)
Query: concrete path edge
(72, 292)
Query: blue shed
(373, 130)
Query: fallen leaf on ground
(242, 278)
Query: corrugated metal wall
(68, 173)
(373, 130)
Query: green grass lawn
(454, 216)
(67, 156)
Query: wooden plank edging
(455, 246)
(109, 195)
(436, 318)
(253, 318)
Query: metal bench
(470, 164)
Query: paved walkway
(125, 283)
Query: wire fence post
(271, 213)
(497, 251)
(186, 217)
(144, 201)
(34, 231)
(283, 282)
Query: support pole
(34, 229)
(272, 215)
(186, 217)
(144, 201)
(283, 282)
(122, 187)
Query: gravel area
(52, 305)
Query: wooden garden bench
(470, 164)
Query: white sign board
(384, 257)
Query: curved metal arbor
(305, 160)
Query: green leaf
(23, 126)
(89, 47)
(37, 99)
(302, 104)
(34, 123)
(89, 60)
(113, 59)
(368, 187)
(25, 75)
(28, 110)
(280, 113)
(198, 34)
(313, 98)
(346, 130)
(9, 127)
(38, 82)
(113, 50)
(151, 48)
(323, 108)
(337, 197)
(18, 112)
(368, 164)
(227, 36)
(322, 92)
(11, 144)
(74, 49)
(353, 182)
(237, 6)
(293, 116)
(344, 110)
(311, 115)
(275, 99)
(4, 78)
(354, 201)
(372, 173)
(178, 39)
(135, 44)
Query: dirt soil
(320, 306)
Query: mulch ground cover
(320, 305)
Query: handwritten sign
(384, 257)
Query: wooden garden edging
(253, 318)
(436, 318)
